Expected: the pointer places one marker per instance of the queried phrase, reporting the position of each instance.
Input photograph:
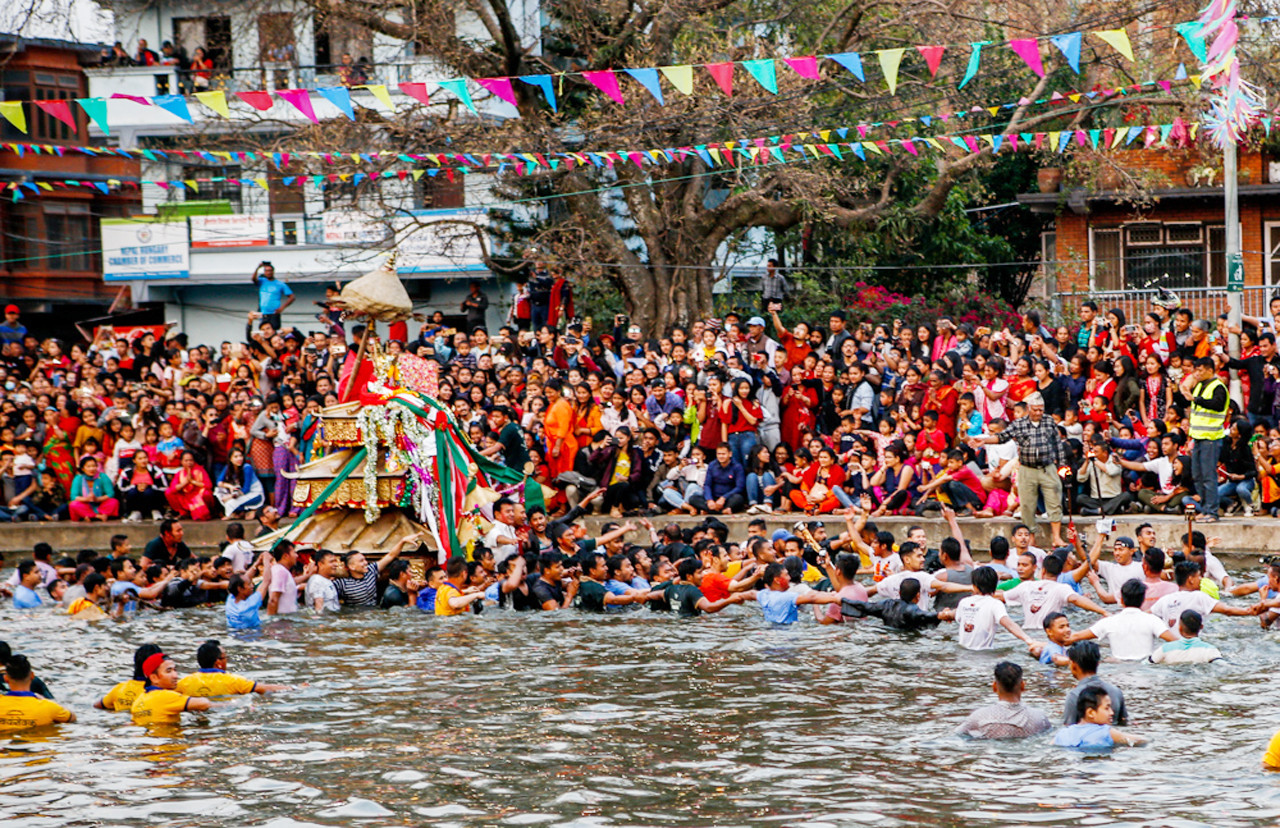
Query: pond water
(641, 719)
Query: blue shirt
(1083, 735)
(271, 293)
(723, 481)
(1051, 650)
(12, 333)
(243, 615)
(427, 600)
(25, 598)
(1065, 578)
(118, 588)
(778, 607)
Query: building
(50, 255)
(1118, 246)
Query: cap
(1124, 540)
(1034, 398)
(153, 663)
(779, 535)
(755, 320)
(11, 309)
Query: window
(22, 237)
(71, 238)
(349, 194)
(25, 85)
(1273, 252)
(1150, 255)
(213, 34)
(209, 190)
(336, 36)
(437, 192)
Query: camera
(1270, 560)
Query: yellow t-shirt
(21, 711)
(122, 696)
(1272, 757)
(207, 683)
(443, 594)
(86, 610)
(156, 706)
(621, 469)
(812, 574)
(733, 568)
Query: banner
(351, 227)
(429, 243)
(230, 231)
(142, 248)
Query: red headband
(153, 663)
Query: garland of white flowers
(394, 425)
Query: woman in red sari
(191, 492)
(57, 455)
(798, 405)
(1023, 382)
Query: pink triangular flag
(1029, 50)
(300, 99)
(260, 101)
(910, 146)
(138, 99)
(932, 57)
(416, 90)
(60, 110)
(1165, 85)
(722, 73)
(502, 88)
(606, 82)
(1024, 101)
(1013, 141)
(805, 67)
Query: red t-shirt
(966, 476)
(715, 586)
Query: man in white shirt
(979, 615)
(1163, 468)
(321, 594)
(1022, 537)
(1132, 633)
(1189, 597)
(912, 557)
(502, 537)
(1041, 597)
(1117, 572)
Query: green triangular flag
(974, 57)
(1190, 32)
(458, 86)
(765, 72)
(96, 108)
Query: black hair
(457, 564)
(985, 579)
(1051, 617)
(909, 590)
(92, 581)
(1191, 621)
(41, 551)
(140, 657)
(235, 531)
(1132, 593)
(1090, 698)
(17, 668)
(771, 572)
(1008, 676)
(687, 567)
(1184, 570)
(1052, 566)
(1153, 559)
(848, 565)
(950, 549)
(1086, 655)
(1000, 547)
(209, 653)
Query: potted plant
(1049, 179)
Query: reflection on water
(631, 720)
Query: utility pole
(1235, 260)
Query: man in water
(214, 680)
(452, 596)
(160, 702)
(979, 615)
(901, 613)
(321, 595)
(1189, 649)
(1187, 574)
(121, 697)
(1041, 597)
(684, 595)
(1092, 728)
(1057, 628)
(243, 601)
(1008, 718)
(778, 602)
(1085, 657)
(594, 595)
(1133, 634)
(549, 591)
(1116, 572)
(20, 707)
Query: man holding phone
(273, 295)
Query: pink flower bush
(881, 306)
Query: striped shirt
(359, 592)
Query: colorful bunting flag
(1190, 32)
(260, 101)
(417, 91)
(681, 78)
(1117, 39)
(95, 108)
(340, 97)
(648, 78)
(500, 87)
(805, 67)
(60, 110)
(175, 105)
(722, 74)
(217, 101)
(12, 112)
(299, 99)
(458, 86)
(765, 72)
(607, 82)
(975, 56)
(890, 60)
(380, 93)
(1069, 45)
(851, 61)
(543, 82)
(932, 57)
(1029, 50)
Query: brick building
(1110, 240)
(50, 252)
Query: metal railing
(1205, 302)
(173, 80)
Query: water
(549, 720)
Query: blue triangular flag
(543, 82)
(851, 61)
(175, 104)
(926, 119)
(975, 55)
(1181, 74)
(1069, 45)
(340, 97)
(648, 78)
(856, 146)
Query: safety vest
(1206, 423)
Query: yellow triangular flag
(991, 141)
(730, 145)
(1120, 135)
(715, 153)
(1053, 140)
(217, 101)
(872, 147)
(261, 182)
(195, 188)
(380, 92)
(933, 142)
(1194, 129)
(44, 185)
(657, 155)
(994, 110)
(826, 135)
(890, 59)
(1118, 39)
(12, 112)
(418, 174)
(1195, 81)
(1075, 98)
(681, 77)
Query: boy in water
(160, 703)
(1190, 648)
(1093, 728)
(1057, 627)
(21, 708)
(214, 680)
(902, 613)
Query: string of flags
(764, 73)
(829, 144)
(283, 159)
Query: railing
(174, 80)
(1205, 303)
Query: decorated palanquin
(395, 462)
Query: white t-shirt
(502, 530)
(1132, 633)
(240, 553)
(1000, 453)
(1164, 472)
(1116, 575)
(1038, 599)
(1213, 567)
(319, 586)
(283, 583)
(978, 616)
(891, 586)
(1171, 606)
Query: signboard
(441, 241)
(229, 231)
(1235, 273)
(347, 227)
(142, 248)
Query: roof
(1078, 199)
(345, 530)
